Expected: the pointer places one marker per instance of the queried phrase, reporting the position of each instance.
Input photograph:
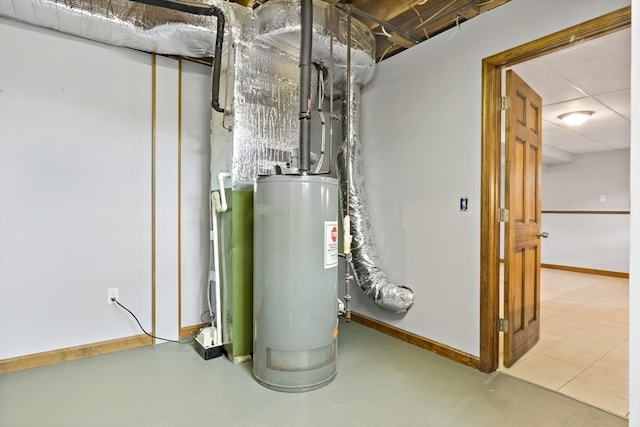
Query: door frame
(490, 191)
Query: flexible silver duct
(366, 265)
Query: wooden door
(523, 150)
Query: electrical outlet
(112, 293)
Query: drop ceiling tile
(619, 143)
(562, 138)
(546, 82)
(593, 76)
(602, 117)
(549, 126)
(619, 101)
(551, 112)
(585, 147)
(607, 59)
(605, 129)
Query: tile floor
(583, 350)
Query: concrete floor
(381, 382)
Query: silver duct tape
(366, 264)
(121, 23)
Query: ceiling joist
(401, 24)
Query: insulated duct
(366, 265)
(217, 59)
(264, 87)
(124, 23)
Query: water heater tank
(295, 281)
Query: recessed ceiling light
(575, 118)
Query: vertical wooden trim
(490, 172)
(153, 193)
(489, 223)
(179, 194)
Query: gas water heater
(295, 281)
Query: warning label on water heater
(330, 244)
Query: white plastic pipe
(346, 236)
(218, 205)
(323, 137)
(222, 205)
(215, 202)
(346, 233)
(323, 123)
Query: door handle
(543, 234)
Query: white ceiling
(594, 75)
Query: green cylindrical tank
(295, 281)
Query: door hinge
(503, 215)
(505, 102)
(503, 325)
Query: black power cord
(211, 317)
(147, 333)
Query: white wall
(196, 117)
(579, 185)
(166, 190)
(593, 241)
(75, 190)
(634, 265)
(421, 128)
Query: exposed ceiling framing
(415, 20)
(397, 24)
(400, 24)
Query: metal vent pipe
(306, 32)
